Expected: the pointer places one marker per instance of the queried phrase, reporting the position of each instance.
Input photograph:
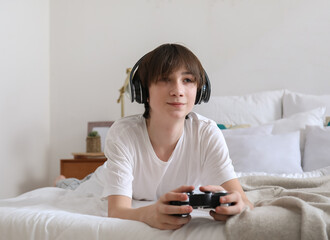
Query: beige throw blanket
(284, 209)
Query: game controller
(204, 200)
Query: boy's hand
(160, 214)
(222, 213)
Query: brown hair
(165, 59)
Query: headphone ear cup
(137, 89)
(198, 96)
(203, 94)
(138, 92)
(144, 94)
(207, 90)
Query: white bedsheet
(316, 173)
(53, 213)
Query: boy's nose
(177, 88)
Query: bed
(279, 143)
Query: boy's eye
(188, 80)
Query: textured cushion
(327, 121)
(229, 126)
(258, 130)
(253, 109)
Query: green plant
(93, 134)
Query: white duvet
(54, 213)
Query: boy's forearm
(121, 207)
(125, 211)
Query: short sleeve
(217, 165)
(119, 170)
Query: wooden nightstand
(81, 167)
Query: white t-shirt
(134, 170)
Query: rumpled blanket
(285, 208)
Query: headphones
(140, 93)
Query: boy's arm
(158, 215)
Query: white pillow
(299, 121)
(298, 102)
(265, 153)
(253, 109)
(317, 148)
(259, 130)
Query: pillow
(259, 130)
(317, 148)
(327, 121)
(298, 102)
(265, 153)
(299, 121)
(253, 109)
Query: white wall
(24, 96)
(245, 46)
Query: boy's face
(173, 95)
